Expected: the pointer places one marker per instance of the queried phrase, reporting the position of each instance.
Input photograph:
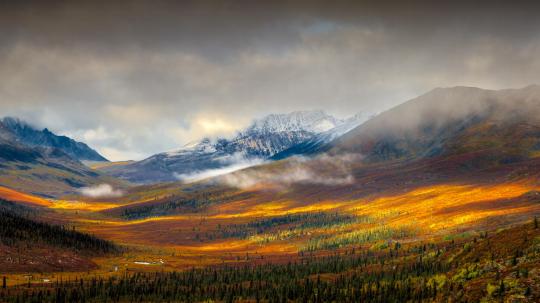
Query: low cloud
(209, 173)
(323, 170)
(101, 191)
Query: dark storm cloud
(137, 77)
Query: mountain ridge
(41, 169)
(26, 134)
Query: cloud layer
(133, 78)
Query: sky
(134, 78)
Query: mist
(210, 173)
(322, 170)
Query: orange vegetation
(15, 196)
(430, 209)
(79, 205)
(271, 209)
(446, 206)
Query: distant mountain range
(28, 135)
(263, 139)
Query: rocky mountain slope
(28, 135)
(315, 143)
(40, 168)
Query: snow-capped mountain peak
(204, 146)
(320, 139)
(309, 121)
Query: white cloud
(101, 191)
(205, 174)
(323, 170)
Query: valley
(442, 209)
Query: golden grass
(218, 246)
(136, 222)
(79, 205)
(272, 209)
(15, 196)
(446, 206)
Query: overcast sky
(140, 77)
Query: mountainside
(315, 143)
(28, 135)
(262, 139)
(10, 150)
(41, 169)
(449, 121)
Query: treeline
(17, 229)
(187, 202)
(287, 222)
(358, 237)
(18, 209)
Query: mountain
(276, 132)
(449, 121)
(315, 143)
(26, 134)
(10, 150)
(261, 140)
(41, 169)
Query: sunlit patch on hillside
(445, 206)
(12, 195)
(276, 209)
(220, 246)
(79, 205)
(133, 222)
